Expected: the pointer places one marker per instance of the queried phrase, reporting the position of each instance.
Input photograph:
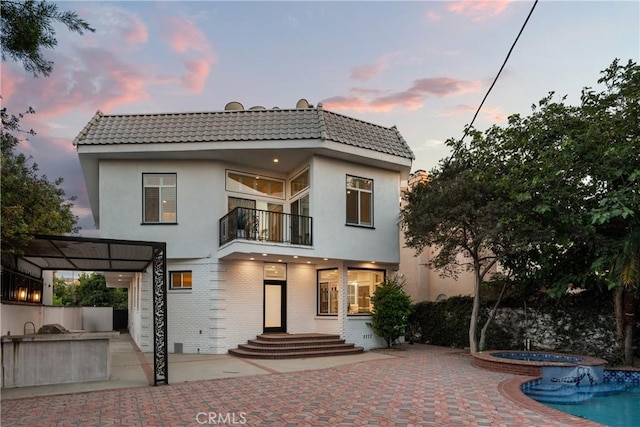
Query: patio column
(160, 352)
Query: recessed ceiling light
(275, 160)
(264, 254)
(308, 262)
(251, 259)
(373, 262)
(295, 256)
(326, 259)
(279, 260)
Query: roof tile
(242, 125)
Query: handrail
(266, 226)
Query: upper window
(181, 280)
(359, 201)
(159, 198)
(255, 184)
(300, 182)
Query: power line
(466, 132)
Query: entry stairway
(292, 346)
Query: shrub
(391, 309)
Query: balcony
(266, 226)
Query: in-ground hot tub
(531, 362)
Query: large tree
(31, 204)
(568, 181)
(26, 28)
(457, 215)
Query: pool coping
(486, 360)
(512, 389)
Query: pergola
(94, 254)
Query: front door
(275, 306)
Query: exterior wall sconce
(35, 296)
(22, 294)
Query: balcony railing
(265, 226)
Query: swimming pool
(613, 402)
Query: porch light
(35, 296)
(22, 294)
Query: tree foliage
(93, 292)
(26, 28)
(31, 204)
(562, 192)
(391, 310)
(63, 293)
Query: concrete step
(297, 354)
(283, 346)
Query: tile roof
(242, 125)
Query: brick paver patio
(423, 386)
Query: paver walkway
(423, 386)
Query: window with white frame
(257, 185)
(181, 279)
(300, 182)
(362, 285)
(359, 201)
(328, 292)
(160, 199)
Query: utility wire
(466, 132)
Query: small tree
(93, 291)
(391, 309)
(63, 292)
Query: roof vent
(302, 103)
(257, 107)
(233, 106)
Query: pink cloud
(184, 35)
(444, 86)
(369, 71)
(410, 99)
(136, 32)
(95, 79)
(116, 28)
(433, 16)
(185, 38)
(495, 115)
(197, 73)
(479, 9)
(9, 82)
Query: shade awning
(89, 254)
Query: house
(275, 220)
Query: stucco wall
(334, 239)
(225, 305)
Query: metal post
(160, 351)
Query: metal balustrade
(265, 226)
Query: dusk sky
(423, 66)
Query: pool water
(616, 410)
(613, 403)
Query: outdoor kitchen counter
(39, 359)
